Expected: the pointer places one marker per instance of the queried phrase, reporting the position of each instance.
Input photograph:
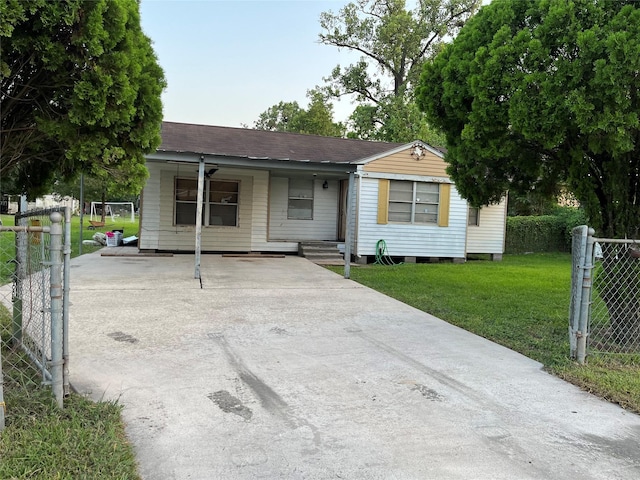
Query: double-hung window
(223, 203)
(220, 206)
(473, 217)
(186, 193)
(300, 204)
(413, 202)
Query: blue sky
(228, 61)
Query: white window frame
(308, 196)
(471, 221)
(207, 203)
(415, 203)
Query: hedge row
(544, 233)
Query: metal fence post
(22, 259)
(55, 249)
(585, 300)
(2, 404)
(578, 251)
(65, 299)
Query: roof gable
(416, 158)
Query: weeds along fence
(605, 300)
(34, 297)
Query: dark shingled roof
(244, 142)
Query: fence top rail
(617, 240)
(18, 228)
(40, 212)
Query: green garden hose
(382, 255)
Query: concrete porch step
(325, 253)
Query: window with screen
(223, 203)
(220, 205)
(473, 218)
(413, 202)
(300, 203)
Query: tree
(80, 90)
(394, 43)
(393, 120)
(96, 189)
(279, 118)
(532, 94)
(290, 117)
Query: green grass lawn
(7, 240)
(521, 303)
(85, 439)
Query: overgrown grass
(85, 440)
(521, 303)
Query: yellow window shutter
(383, 201)
(445, 201)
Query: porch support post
(199, 215)
(348, 233)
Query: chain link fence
(34, 263)
(605, 302)
(615, 308)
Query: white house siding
(324, 225)
(260, 228)
(489, 235)
(150, 219)
(406, 239)
(158, 230)
(355, 221)
(259, 218)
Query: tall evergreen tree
(536, 93)
(80, 90)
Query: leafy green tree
(80, 91)
(394, 43)
(317, 119)
(279, 118)
(534, 93)
(393, 120)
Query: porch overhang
(283, 166)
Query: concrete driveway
(278, 368)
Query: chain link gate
(604, 316)
(34, 299)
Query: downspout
(200, 199)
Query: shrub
(543, 233)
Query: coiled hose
(382, 254)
